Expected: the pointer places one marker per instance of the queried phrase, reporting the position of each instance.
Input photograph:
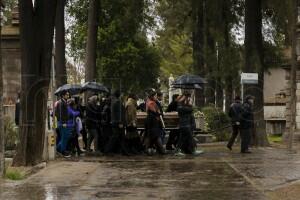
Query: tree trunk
(228, 92)
(254, 63)
(2, 143)
(293, 83)
(60, 45)
(198, 45)
(91, 47)
(36, 35)
(228, 76)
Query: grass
(14, 174)
(275, 138)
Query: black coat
(247, 120)
(106, 115)
(93, 116)
(172, 107)
(235, 112)
(61, 111)
(186, 118)
(117, 112)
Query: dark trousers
(186, 140)
(84, 136)
(93, 136)
(117, 142)
(245, 137)
(235, 131)
(173, 139)
(73, 145)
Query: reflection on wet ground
(217, 174)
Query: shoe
(198, 152)
(229, 147)
(66, 155)
(179, 153)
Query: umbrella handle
(162, 121)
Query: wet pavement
(217, 174)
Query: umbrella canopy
(189, 81)
(71, 88)
(187, 86)
(95, 87)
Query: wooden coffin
(171, 120)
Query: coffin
(171, 120)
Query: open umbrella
(94, 87)
(190, 86)
(189, 81)
(71, 88)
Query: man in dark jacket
(61, 113)
(247, 124)
(93, 119)
(117, 143)
(235, 113)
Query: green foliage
(7, 11)
(14, 174)
(11, 134)
(218, 122)
(275, 138)
(126, 58)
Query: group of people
(242, 118)
(110, 125)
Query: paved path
(217, 174)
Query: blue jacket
(72, 114)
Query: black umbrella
(187, 86)
(95, 87)
(71, 88)
(189, 79)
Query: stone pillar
(171, 81)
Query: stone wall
(11, 61)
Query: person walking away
(133, 138)
(61, 113)
(93, 120)
(247, 123)
(235, 113)
(186, 144)
(174, 134)
(117, 143)
(153, 124)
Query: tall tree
(36, 34)
(91, 46)
(2, 144)
(198, 44)
(254, 63)
(60, 44)
(293, 17)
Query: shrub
(14, 175)
(11, 134)
(218, 122)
